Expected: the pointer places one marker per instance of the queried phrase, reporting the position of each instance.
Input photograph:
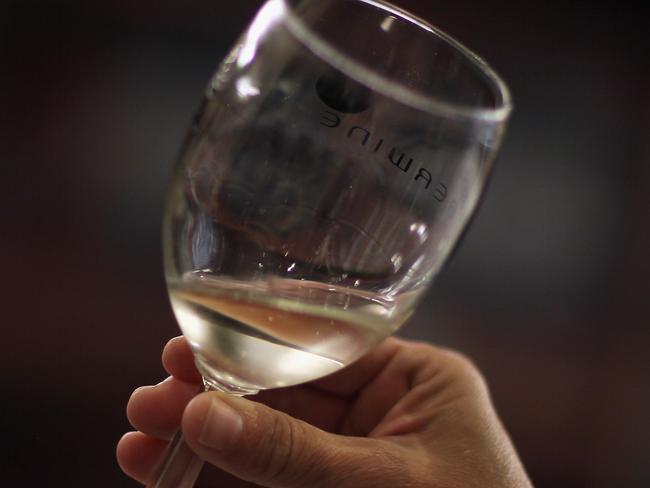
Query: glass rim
(394, 89)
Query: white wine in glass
(279, 333)
(339, 154)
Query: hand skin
(406, 415)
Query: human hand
(407, 414)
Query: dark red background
(549, 292)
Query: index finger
(178, 360)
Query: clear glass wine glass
(340, 151)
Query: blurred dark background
(549, 292)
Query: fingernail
(221, 426)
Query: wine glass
(339, 153)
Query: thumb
(259, 444)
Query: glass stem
(181, 467)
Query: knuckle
(455, 362)
(461, 361)
(465, 368)
(418, 353)
(273, 465)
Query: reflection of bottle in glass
(278, 333)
